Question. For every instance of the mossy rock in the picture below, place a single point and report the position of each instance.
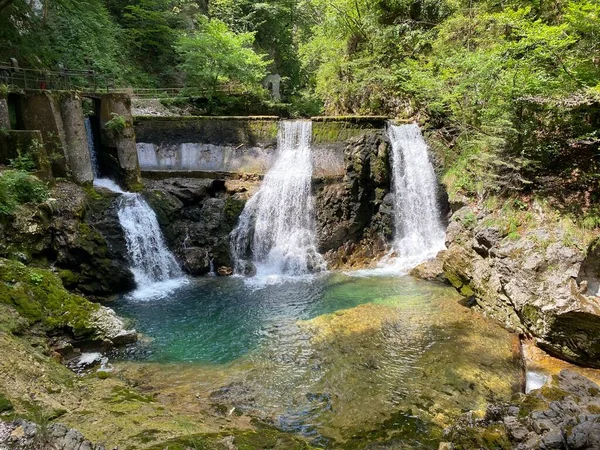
(492, 437)
(39, 296)
(5, 404)
(260, 439)
(233, 209)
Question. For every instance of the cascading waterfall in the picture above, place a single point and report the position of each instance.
(419, 233)
(154, 267)
(150, 258)
(277, 226)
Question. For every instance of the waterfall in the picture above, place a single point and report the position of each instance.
(277, 226)
(150, 258)
(92, 147)
(419, 233)
(154, 267)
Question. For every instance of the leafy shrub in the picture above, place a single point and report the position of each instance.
(18, 187)
(117, 124)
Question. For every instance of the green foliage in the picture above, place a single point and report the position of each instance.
(18, 187)
(77, 35)
(117, 124)
(214, 55)
(23, 162)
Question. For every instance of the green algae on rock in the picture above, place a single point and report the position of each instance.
(39, 297)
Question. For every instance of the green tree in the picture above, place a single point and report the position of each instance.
(213, 55)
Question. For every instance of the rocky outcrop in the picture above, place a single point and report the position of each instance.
(355, 215)
(35, 297)
(536, 281)
(79, 232)
(197, 216)
(24, 435)
(563, 414)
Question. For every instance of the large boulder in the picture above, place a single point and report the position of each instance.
(537, 283)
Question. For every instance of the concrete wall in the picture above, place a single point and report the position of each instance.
(41, 111)
(77, 151)
(4, 114)
(236, 144)
(119, 152)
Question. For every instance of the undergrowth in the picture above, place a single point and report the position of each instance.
(18, 187)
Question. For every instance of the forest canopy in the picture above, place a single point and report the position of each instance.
(464, 65)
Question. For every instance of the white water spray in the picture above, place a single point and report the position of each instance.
(154, 267)
(419, 233)
(277, 226)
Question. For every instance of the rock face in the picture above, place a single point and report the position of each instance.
(538, 283)
(79, 233)
(563, 414)
(24, 435)
(196, 217)
(355, 215)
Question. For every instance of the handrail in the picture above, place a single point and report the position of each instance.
(88, 80)
(64, 79)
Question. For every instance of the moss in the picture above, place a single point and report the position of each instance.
(553, 393)
(39, 296)
(403, 426)
(492, 437)
(11, 321)
(531, 314)
(5, 404)
(531, 403)
(327, 132)
(122, 394)
(261, 439)
(233, 209)
(69, 278)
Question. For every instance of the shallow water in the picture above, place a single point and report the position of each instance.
(343, 361)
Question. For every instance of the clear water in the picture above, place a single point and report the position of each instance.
(334, 358)
(276, 230)
(419, 233)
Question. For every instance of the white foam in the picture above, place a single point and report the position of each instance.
(157, 290)
(534, 380)
(109, 184)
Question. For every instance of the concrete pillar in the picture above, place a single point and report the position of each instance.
(121, 143)
(42, 112)
(4, 114)
(77, 150)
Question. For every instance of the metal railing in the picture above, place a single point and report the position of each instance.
(88, 80)
(63, 79)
